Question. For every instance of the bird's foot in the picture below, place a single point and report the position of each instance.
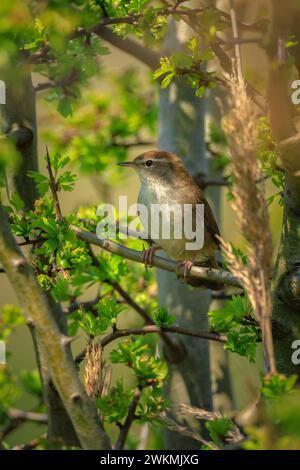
(187, 265)
(148, 256)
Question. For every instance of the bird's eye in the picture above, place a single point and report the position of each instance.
(148, 162)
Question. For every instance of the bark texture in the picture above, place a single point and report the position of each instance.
(181, 130)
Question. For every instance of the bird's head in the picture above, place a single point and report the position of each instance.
(157, 165)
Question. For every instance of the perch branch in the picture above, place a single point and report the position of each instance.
(197, 272)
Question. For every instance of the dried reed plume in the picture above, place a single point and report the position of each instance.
(185, 431)
(234, 436)
(241, 127)
(96, 375)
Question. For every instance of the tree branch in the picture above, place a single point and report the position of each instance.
(147, 56)
(75, 305)
(53, 188)
(124, 430)
(197, 272)
(174, 352)
(154, 329)
(19, 415)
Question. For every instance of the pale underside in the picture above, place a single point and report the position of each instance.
(175, 248)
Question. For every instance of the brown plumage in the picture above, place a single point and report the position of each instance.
(164, 180)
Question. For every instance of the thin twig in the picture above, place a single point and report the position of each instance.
(18, 417)
(124, 429)
(75, 305)
(16, 414)
(148, 329)
(33, 444)
(174, 352)
(233, 42)
(53, 188)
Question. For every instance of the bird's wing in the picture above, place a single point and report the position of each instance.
(210, 222)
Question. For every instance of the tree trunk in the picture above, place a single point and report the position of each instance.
(286, 280)
(286, 307)
(20, 125)
(221, 379)
(181, 130)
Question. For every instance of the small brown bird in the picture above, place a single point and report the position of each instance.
(165, 181)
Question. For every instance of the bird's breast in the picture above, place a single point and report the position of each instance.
(164, 228)
(160, 218)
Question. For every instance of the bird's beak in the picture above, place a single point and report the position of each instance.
(128, 164)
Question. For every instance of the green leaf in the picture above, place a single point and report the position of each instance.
(60, 291)
(41, 181)
(58, 161)
(11, 316)
(151, 405)
(181, 60)
(31, 382)
(200, 91)
(167, 80)
(232, 313)
(128, 351)
(162, 317)
(193, 45)
(243, 342)
(235, 319)
(115, 406)
(66, 181)
(65, 107)
(16, 201)
(148, 369)
(218, 429)
(276, 385)
(108, 310)
(9, 393)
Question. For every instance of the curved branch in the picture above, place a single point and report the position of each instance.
(143, 54)
(154, 329)
(157, 329)
(207, 274)
(174, 352)
(21, 415)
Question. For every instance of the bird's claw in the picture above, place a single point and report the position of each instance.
(187, 265)
(148, 256)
